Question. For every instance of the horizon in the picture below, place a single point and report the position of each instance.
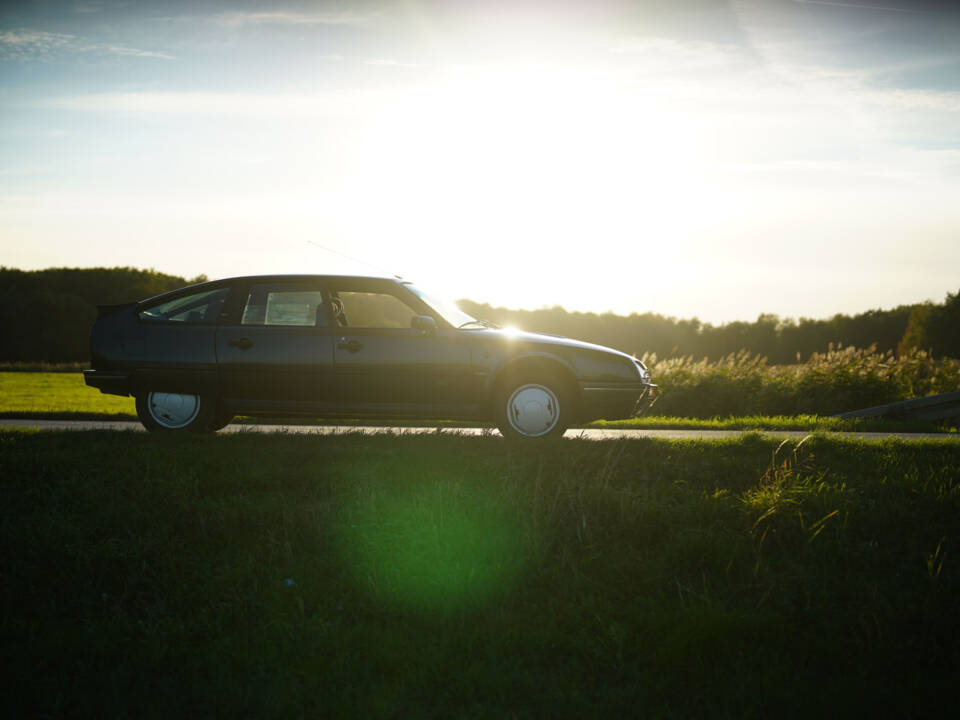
(553, 306)
(702, 159)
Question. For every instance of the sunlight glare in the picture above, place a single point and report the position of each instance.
(519, 160)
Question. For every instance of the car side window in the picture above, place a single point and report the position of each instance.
(284, 306)
(371, 310)
(197, 308)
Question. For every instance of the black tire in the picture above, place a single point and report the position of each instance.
(175, 412)
(533, 406)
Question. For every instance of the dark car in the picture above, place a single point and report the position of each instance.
(337, 346)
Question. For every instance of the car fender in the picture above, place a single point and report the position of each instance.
(519, 362)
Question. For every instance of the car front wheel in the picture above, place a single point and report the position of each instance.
(533, 407)
(167, 412)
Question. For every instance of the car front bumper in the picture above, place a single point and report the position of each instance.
(615, 401)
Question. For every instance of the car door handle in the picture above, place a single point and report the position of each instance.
(242, 343)
(352, 346)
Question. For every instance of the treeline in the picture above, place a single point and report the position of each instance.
(45, 316)
(928, 326)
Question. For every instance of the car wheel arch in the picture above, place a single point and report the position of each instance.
(549, 365)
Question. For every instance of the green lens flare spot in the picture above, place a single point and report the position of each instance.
(435, 546)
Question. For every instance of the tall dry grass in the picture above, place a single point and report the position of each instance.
(841, 379)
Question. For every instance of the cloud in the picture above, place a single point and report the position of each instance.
(667, 54)
(96, 6)
(28, 44)
(287, 105)
(132, 52)
(24, 45)
(943, 101)
(282, 17)
(859, 6)
(387, 62)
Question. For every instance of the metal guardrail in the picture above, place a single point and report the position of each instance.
(932, 407)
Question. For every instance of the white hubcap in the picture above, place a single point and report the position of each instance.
(173, 410)
(533, 410)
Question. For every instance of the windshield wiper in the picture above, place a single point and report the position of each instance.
(483, 323)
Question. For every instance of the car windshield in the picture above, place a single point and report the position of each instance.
(446, 309)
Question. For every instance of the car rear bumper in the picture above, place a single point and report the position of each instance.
(108, 382)
(615, 401)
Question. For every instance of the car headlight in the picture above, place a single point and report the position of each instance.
(642, 370)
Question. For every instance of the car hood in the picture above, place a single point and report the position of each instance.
(523, 336)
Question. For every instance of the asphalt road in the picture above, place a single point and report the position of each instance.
(590, 434)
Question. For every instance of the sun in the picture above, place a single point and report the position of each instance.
(504, 159)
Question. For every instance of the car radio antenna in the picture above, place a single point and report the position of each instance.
(353, 259)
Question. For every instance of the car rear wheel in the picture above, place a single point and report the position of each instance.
(170, 412)
(532, 407)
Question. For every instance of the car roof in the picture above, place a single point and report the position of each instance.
(269, 278)
(306, 276)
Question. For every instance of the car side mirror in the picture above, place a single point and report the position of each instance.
(424, 323)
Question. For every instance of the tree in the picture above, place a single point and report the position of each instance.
(46, 314)
(935, 328)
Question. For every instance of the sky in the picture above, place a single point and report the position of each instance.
(702, 158)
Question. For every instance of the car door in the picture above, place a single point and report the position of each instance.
(173, 343)
(277, 350)
(382, 363)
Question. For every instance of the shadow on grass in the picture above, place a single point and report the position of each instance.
(424, 575)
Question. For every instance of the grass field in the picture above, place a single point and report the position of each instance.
(64, 395)
(58, 394)
(447, 576)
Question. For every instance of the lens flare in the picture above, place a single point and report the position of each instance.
(430, 546)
